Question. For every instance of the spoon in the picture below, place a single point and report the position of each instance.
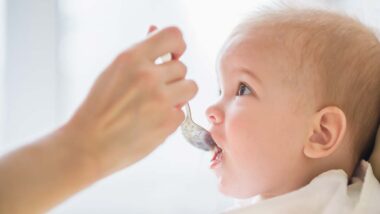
(193, 133)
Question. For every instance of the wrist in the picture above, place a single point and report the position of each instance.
(76, 142)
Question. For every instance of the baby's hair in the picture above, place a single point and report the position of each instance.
(337, 56)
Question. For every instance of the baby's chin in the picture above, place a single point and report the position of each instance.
(236, 191)
(237, 194)
(248, 192)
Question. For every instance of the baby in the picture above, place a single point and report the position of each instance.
(300, 100)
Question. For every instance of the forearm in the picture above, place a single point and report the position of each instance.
(39, 176)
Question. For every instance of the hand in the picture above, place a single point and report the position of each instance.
(134, 104)
(132, 107)
(375, 156)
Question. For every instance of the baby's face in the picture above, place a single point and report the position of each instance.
(256, 121)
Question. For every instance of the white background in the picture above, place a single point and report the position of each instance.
(52, 52)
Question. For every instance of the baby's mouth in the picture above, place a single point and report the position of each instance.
(217, 154)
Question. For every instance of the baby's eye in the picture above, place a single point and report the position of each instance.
(243, 90)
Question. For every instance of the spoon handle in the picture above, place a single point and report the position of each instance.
(188, 111)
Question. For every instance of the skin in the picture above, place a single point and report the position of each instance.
(256, 128)
(270, 144)
(132, 97)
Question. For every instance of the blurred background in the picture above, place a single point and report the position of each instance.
(52, 51)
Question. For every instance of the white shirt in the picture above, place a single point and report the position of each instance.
(327, 193)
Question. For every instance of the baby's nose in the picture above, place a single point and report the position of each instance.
(214, 115)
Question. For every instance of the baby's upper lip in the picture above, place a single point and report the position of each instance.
(215, 138)
(218, 145)
(216, 142)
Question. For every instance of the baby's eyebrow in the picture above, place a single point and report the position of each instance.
(252, 75)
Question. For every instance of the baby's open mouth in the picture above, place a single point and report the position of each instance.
(217, 154)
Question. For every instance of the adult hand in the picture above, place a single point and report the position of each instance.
(135, 104)
(132, 107)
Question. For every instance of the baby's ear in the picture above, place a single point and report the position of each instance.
(328, 130)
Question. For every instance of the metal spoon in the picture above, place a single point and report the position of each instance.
(193, 133)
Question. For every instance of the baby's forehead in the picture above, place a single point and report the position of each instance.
(245, 53)
(273, 57)
(244, 43)
(252, 46)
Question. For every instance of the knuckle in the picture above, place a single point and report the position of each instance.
(125, 56)
(146, 76)
(193, 86)
(161, 97)
(183, 44)
(143, 72)
(174, 31)
(177, 36)
(182, 69)
(147, 73)
(142, 76)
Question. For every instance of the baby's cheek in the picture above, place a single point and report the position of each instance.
(243, 139)
(255, 140)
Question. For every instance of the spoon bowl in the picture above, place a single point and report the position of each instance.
(195, 134)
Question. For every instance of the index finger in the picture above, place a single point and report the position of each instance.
(161, 42)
